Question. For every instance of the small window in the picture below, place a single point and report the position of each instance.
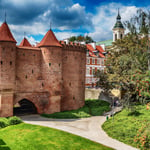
(49, 64)
(88, 71)
(88, 61)
(23, 54)
(115, 37)
(10, 62)
(70, 83)
(1, 62)
(32, 71)
(93, 61)
(98, 61)
(59, 65)
(26, 76)
(42, 84)
(73, 98)
(120, 36)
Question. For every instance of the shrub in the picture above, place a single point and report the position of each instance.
(142, 139)
(3, 122)
(14, 120)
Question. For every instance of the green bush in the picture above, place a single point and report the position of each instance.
(92, 107)
(14, 120)
(3, 122)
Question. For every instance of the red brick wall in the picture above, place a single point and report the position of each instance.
(52, 74)
(74, 59)
(7, 65)
(28, 70)
(53, 78)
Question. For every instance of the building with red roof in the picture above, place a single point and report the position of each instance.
(47, 78)
(95, 56)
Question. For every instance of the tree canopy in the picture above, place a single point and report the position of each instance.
(80, 38)
(127, 63)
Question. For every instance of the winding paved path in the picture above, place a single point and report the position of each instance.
(89, 128)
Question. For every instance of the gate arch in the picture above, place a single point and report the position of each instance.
(24, 107)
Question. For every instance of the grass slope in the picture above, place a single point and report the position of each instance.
(126, 125)
(91, 108)
(33, 137)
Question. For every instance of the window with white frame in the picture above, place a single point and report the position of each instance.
(88, 71)
(93, 60)
(93, 71)
(102, 61)
(98, 61)
(88, 60)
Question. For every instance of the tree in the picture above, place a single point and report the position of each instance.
(80, 38)
(127, 63)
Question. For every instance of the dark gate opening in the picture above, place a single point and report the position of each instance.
(24, 107)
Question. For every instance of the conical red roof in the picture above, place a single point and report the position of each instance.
(25, 42)
(5, 33)
(49, 40)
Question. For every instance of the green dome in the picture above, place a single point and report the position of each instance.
(118, 24)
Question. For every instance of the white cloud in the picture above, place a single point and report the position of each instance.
(105, 19)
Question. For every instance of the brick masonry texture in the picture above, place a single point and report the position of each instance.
(51, 77)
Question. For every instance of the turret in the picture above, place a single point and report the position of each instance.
(7, 70)
(52, 70)
(25, 43)
(118, 29)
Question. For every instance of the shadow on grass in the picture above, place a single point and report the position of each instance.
(134, 113)
(3, 145)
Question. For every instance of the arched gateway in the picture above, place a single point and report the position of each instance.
(24, 107)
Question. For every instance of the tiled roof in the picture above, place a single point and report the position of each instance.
(99, 48)
(89, 47)
(92, 54)
(5, 33)
(101, 55)
(49, 40)
(25, 42)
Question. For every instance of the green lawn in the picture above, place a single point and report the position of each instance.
(33, 137)
(91, 108)
(131, 128)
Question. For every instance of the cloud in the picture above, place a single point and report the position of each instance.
(34, 16)
(105, 18)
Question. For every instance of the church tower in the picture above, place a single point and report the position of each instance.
(118, 29)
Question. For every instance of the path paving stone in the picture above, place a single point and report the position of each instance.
(89, 128)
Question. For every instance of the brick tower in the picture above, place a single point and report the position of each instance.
(7, 70)
(52, 70)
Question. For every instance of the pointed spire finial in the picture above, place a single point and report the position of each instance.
(50, 25)
(24, 34)
(5, 16)
(118, 11)
(118, 16)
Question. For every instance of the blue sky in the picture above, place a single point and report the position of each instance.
(68, 17)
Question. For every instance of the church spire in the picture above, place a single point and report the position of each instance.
(118, 23)
(118, 29)
(118, 17)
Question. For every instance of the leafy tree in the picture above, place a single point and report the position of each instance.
(80, 38)
(127, 63)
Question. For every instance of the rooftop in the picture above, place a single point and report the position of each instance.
(25, 42)
(106, 43)
(49, 40)
(5, 33)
